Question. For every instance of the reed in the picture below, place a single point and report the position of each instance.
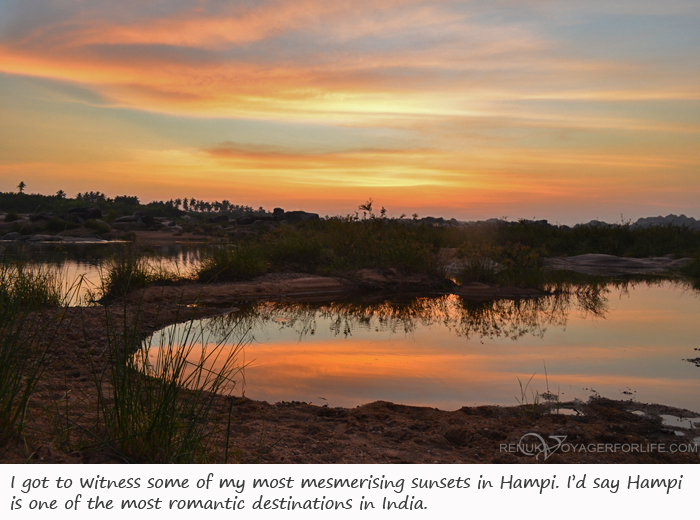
(156, 396)
(27, 331)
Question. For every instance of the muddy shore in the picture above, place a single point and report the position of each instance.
(295, 432)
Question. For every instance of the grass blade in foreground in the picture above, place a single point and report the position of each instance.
(156, 396)
(26, 333)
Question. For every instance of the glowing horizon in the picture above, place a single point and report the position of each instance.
(459, 109)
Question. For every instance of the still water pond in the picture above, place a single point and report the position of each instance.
(629, 342)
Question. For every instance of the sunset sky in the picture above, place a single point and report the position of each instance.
(567, 110)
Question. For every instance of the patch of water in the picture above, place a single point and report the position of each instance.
(566, 411)
(448, 353)
(681, 422)
(81, 264)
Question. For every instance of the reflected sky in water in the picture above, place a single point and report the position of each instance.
(80, 265)
(622, 342)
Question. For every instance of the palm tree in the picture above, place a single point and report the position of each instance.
(61, 194)
(21, 186)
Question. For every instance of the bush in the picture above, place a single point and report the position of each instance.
(11, 217)
(97, 227)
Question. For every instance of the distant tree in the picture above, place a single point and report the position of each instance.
(177, 203)
(60, 194)
(127, 200)
(185, 204)
(21, 186)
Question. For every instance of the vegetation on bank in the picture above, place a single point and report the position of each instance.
(155, 397)
(495, 252)
(129, 271)
(25, 336)
(324, 247)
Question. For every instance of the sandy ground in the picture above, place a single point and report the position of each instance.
(314, 288)
(294, 432)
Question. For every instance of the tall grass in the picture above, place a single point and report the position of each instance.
(513, 264)
(26, 333)
(232, 263)
(692, 271)
(156, 396)
(131, 271)
(323, 247)
(620, 240)
(27, 285)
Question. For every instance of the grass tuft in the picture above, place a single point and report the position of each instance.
(232, 263)
(25, 336)
(156, 396)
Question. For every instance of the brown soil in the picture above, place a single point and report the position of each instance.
(293, 432)
(315, 288)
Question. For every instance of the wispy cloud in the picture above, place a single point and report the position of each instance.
(468, 97)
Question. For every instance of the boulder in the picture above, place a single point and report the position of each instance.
(11, 236)
(300, 216)
(84, 213)
(218, 219)
(40, 216)
(668, 220)
(245, 221)
(278, 212)
(44, 238)
(129, 218)
(93, 213)
(609, 265)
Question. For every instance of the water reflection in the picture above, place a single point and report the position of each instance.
(511, 319)
(618, 340)
(81, 265)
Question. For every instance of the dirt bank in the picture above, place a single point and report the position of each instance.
(314, 288)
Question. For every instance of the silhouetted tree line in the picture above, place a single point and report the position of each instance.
(22, 202)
